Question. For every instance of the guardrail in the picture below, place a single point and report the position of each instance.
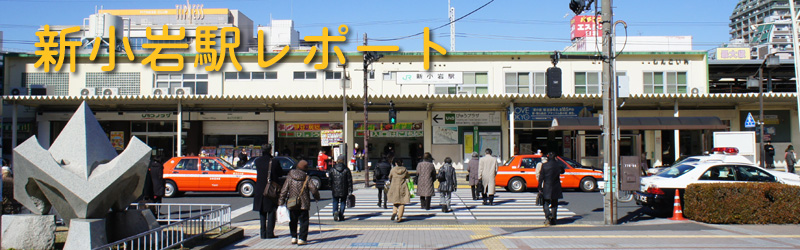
(186, 222)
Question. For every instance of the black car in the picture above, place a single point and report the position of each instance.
(289, 163)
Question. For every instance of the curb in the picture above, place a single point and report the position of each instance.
(233, 236)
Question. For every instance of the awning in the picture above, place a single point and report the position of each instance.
(641, 123)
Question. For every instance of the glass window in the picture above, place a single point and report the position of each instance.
(388, 76)
(197, 82)
(271, 75)
(675, 171)
(244, 75)
(210, 165)
(299, 75)
(665, 82)
(257, 75)
(187, 164)
(160, 126)
(719, 173)
(587, 82)
(332, 75)
(580, 82)
(539, 83)
(475, 83)
(749, 173)
(529, 162)
(518, 83)
(445, 90)
(286, 163)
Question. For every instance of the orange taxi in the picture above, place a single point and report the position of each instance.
(206, 174)
(518, 174)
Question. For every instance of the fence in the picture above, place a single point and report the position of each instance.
(185, 222)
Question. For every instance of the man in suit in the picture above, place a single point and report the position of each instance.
(550, 186)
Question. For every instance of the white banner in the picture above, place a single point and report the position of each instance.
(423, 77)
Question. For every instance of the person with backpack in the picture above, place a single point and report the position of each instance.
(296, 195)
(447, 184)
(341, 183)
(381, 176)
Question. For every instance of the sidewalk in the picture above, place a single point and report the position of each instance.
(660, 234)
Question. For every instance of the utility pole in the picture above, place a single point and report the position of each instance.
(365, 157)
(796, 51)
(344, 114)
(609, 115)
(451, 12)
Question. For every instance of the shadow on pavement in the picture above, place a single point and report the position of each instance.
(323, 240)
(641, 214)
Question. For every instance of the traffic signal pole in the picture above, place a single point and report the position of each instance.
(610, 140)
(365, 148)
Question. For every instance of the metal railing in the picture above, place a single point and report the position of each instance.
(186, 222)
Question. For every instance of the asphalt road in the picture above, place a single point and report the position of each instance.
(587, 206)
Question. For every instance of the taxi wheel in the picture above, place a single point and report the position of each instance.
(588, 184)
(516, 184)
(170, 189)
(247, 188)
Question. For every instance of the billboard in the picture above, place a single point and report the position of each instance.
(585, 26)
(733, 53)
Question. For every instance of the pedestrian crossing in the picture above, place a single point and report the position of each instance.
(507, 206)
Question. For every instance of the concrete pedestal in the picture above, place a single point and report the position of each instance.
(28, 231)
(86, 234)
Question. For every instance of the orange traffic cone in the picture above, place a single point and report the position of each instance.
(677, 212)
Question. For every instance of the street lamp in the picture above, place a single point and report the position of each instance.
(770, 61)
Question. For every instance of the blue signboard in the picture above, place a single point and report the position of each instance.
(548, 113)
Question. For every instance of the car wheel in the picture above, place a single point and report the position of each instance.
(247, 188)
(315, 180)
(516, 184)
(588, 184)
(170, 189)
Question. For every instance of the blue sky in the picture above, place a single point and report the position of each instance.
(538, 25)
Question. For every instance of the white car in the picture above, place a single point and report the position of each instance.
(658, 191)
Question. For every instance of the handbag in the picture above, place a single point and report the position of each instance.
(539, 201)
(271, 190)
(351, 201)
(294, 202)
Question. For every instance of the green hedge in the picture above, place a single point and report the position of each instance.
(743, 203)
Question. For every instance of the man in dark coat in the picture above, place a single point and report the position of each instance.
(447, 184)
(426, 175)
(550, 186)
(475, 182)
(157, 178)
(769, 153)
(381, 176)
(341, 183)
(265, 206)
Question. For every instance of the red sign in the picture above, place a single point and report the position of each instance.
(585, 26)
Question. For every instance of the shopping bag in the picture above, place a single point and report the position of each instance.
(411, 189)
(351, 200)
(283, 214)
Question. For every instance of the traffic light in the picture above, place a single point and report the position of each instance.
(578, 6)
(392, 113)
(553, 80)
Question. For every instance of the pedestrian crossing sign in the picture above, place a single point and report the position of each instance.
(749, 122)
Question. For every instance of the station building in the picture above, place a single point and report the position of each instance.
(465, 102)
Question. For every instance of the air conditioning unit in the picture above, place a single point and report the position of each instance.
(19, 91)
(182, 91)
(88, 91)
(160, 91)
(42, 90)
(109, 91)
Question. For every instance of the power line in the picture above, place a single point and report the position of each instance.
(443, 25)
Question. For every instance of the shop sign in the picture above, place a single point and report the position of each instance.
(331, 137)
(585, 26)
(299, 134)
(154, 116)
(733, 53)
(393, 134)
(308, 126)
(548, 113)
(466, 118)
(423, 77)
(359, 126)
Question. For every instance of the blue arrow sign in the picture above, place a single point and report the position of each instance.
(749, 122)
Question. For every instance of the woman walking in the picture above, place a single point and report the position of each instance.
(447, 183)
(399, 195)
(474, 181)
(298, 186)
(341, 183)
(426, 174)
(791, 159)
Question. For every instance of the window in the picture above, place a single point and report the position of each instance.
(187, 164)
(269, 75)
(59, 80)
(675, 171)
(445, 90)
(748, 173)
(198, 83)
(529, 162)
(305, 75)
(719, 173)
(210, 165)
(587, 83)
(388, 76)
(521, 82)
(333, 75)
(475, 83)
(665, 82)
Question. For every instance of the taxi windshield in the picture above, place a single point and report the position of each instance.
(227, 165)
(508, 162)
(675, 171)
